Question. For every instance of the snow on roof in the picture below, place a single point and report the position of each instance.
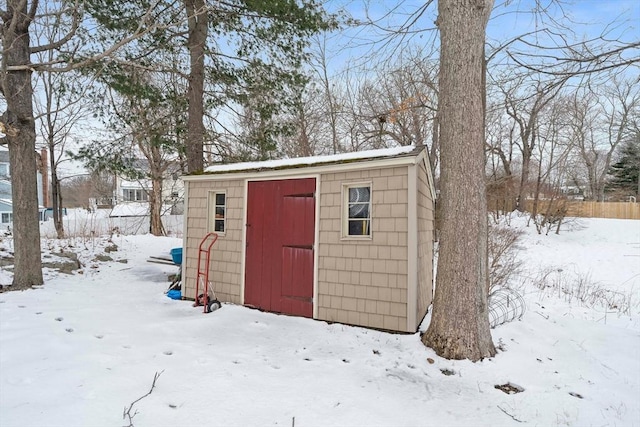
(283, 163)
(130, 209)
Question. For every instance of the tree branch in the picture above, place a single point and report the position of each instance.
(64, 40)
(33, 9)
(127, 411)
(512, 417)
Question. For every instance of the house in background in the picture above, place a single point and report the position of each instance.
(6, 199)
(131, 197)
(345, 238)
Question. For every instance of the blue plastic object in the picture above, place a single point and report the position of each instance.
(174, 294)
(176, 255)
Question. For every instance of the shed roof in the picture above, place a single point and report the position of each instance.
(404, 151)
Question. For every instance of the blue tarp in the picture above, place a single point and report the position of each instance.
(174, 294)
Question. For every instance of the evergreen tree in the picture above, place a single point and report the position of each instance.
(626, 172)
(228, 51)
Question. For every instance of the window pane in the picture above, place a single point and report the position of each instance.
(359, 227)
(218, 211)
(359, 210)
(359, 195)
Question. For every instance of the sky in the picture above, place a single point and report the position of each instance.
(510, 18)
(366, 45)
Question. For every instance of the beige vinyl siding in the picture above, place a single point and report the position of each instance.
(226, 254)
(425, 243)
(359, 280)
(364, 282)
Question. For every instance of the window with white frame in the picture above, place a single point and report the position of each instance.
(217, 211)
(134, 195)
(7, 217)
(357, 210)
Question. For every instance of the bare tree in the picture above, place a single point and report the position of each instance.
(602, 118)
(310, 128)
(59, 115)
(524, 101)
(398, 104)
(76, 191)
(459, 327)
(500, 152)
(332, 108)
(61, 105)
(18, 123)
(553, 149)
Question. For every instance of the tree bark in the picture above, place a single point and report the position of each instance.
(155, 208)
(197, 18)
(56, 198)
(19, 125)
(155, 197)
(56, 194)
(459, 327)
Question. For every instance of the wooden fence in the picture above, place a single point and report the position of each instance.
(618, 210)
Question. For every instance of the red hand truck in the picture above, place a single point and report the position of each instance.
(208, 296)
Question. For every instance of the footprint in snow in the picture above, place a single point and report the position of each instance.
(69, 329)
(99, 336)
(59, 319)
(38, 312)
(167, 353)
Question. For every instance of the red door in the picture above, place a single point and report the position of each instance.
(280, 238)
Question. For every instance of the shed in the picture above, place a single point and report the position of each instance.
(343, 238)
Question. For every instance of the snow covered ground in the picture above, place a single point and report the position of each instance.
(86, 345)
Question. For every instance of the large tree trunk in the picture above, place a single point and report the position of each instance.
(459, 327)
(19, 125)
(198, 27)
